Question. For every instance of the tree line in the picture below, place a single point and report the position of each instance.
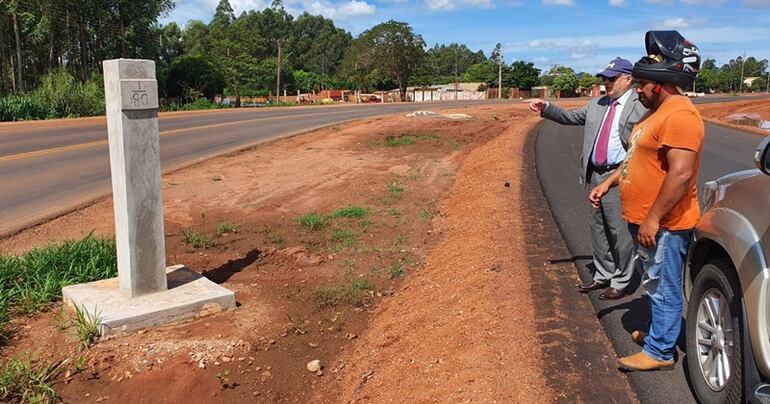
(51, 53)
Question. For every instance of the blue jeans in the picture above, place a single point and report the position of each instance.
(661, 267)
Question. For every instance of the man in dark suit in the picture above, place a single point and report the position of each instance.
(608, 121)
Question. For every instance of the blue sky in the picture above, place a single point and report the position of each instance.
(583, 34)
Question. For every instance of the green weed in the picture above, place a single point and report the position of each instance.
(195, 239)
(312, 221)
(343, 239)
(87, 326)
(395, 190)
(227, 227)
(275, 237)
(396, 270)
(393, 212)
(32, 281)
(353, 293)
(23, 380)
(352, 211)
(403, 140)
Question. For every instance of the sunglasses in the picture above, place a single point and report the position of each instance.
(641, 83)
(612, 79)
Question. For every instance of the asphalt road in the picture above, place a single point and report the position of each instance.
(49, 168)
(557, 149)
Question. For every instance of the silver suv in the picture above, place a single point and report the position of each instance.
(727, 285)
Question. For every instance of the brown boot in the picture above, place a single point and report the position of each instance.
(642, 362)
(638, 337)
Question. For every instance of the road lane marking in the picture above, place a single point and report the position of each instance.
(38, 153)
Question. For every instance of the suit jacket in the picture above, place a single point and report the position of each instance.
(591, 117)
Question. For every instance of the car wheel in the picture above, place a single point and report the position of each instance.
(714, 331)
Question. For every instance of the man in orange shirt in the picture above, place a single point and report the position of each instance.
(657, 185)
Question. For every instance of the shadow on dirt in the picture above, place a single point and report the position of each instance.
(222, 273)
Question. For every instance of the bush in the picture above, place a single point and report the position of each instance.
(58, 96)
(24, 107)
(188, 75)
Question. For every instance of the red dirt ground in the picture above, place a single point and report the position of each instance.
(461, 325)
(725, 113)
(443, 333)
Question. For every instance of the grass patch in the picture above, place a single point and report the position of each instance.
(352, 211)
(403, 140)
(396, 271)
(275, 237)
(407, 139)
(21, 380)
(354, 292)
(395, 190)
(28, 283)
(343, 239)
(227, 227)
(312, 221)
(87, 326)
(195, 239)
(393, 212)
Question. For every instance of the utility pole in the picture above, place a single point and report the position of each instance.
(743, 64)
(456, 49)
(767, 89)
(279, 42)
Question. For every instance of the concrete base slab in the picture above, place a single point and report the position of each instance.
(189, 296)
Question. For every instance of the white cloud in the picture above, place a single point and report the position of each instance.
(617, 3)
(440, 5)
(675, 23)
(659, 1)
(488, 4)
(558, 2)
(446, 5)
(340, 11)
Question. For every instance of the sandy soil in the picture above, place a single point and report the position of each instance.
(460, 326)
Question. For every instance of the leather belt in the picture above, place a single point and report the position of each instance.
(604, 169)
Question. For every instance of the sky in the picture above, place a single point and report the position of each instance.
(582, 34)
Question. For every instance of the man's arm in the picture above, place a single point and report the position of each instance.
(595, 197)
(681, 169)
(550, 111)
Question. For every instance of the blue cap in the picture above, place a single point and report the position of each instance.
(617, 66)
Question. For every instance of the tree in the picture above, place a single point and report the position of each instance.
(170, 43)
(565, 81)
(318, 45)
(189, 77)
(195, 38)
(223, 16)
(232, 49)
(485, 72)
(388, 51)
(522, 75)
(447, 63)
(588, 80)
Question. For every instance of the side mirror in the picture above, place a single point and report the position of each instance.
(762, 156)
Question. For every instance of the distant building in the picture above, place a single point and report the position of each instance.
(446, 92)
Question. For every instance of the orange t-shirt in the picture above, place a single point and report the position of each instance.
(675, 124)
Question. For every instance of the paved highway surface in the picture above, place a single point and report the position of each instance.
(50, 167)
(557, 150)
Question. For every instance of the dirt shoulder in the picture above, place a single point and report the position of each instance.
(452, 260)
(748, 112)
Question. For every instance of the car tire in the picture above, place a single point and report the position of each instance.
(716, 282)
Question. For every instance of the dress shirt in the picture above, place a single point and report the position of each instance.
(615, 151)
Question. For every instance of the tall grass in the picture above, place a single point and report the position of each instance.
(33, 280)
(58, 96)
